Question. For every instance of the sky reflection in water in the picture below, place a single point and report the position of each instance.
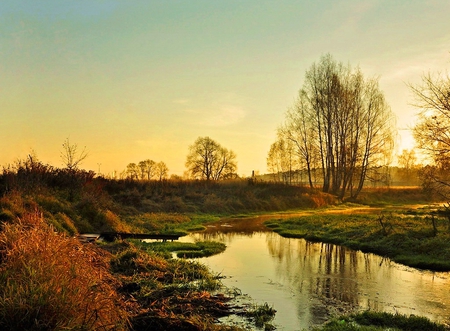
(307, 282)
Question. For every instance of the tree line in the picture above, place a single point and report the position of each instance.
(147, 170)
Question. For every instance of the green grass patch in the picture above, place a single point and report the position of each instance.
(187, 250)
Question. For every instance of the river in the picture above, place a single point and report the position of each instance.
(307, 283)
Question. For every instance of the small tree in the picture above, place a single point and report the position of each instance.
(132, 171)
(71, 156)
(161, 170)
(281, 160)
(147, 169)
(208, 160)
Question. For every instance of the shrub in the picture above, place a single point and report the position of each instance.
(113, 222)
(66, 223)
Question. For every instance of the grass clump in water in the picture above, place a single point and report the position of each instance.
(262, 315)
(187, 250)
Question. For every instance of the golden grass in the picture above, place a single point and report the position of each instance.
(51, 282)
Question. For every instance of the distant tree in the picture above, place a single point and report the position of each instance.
(407, 159)
(133, 171)
(299, 128)
(141, 167)
(208, 160)
(342, 120)
(175, 177)
(71, 156)
(281, 160)
(147, 169)
(161, 170)
(432, 131)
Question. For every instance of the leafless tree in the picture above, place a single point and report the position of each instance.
(432, 131)
(282, 160)
(299, 130)
(133, 171)
(407, 159)
(147, 169)
(208, 160)
(161, 170)
(71, 156)
(341, 120)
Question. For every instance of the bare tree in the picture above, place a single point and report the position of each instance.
(282, 160)
(300, 130)
(133, 171)
(147, 169)
(341, 120)
(208, 160)
(432, 131)
(407, 159)
(71, 156)
(161, 170)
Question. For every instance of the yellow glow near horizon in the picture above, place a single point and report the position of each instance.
(142, 80)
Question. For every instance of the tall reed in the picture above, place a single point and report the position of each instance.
(51, 282)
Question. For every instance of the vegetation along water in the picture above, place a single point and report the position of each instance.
(50, 280)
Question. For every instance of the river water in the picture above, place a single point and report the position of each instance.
(307, 283)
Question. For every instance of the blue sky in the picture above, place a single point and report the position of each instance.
(133, 80)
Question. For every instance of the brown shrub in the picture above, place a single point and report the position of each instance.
(51, 282)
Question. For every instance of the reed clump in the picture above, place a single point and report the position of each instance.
(51, 282)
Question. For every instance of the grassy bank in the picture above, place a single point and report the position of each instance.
(373, 321)
(412, 237)
(76, 201)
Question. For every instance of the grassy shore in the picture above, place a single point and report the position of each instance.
(374, 321)
(414, 237)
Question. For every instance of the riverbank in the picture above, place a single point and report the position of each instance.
(373, 321)
(311, 283)
(120, 286)
(416, 237)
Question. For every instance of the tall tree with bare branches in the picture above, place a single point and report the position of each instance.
(432, 131)
(341, 124)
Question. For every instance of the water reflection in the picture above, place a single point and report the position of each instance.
(307, 282)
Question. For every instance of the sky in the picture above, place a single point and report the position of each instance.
(136, 80)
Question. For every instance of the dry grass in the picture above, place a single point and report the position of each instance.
(51, 282)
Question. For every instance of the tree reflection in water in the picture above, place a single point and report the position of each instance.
(308, 282)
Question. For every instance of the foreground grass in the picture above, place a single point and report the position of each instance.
(377, 321)
(51, 282)
(406, 237)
